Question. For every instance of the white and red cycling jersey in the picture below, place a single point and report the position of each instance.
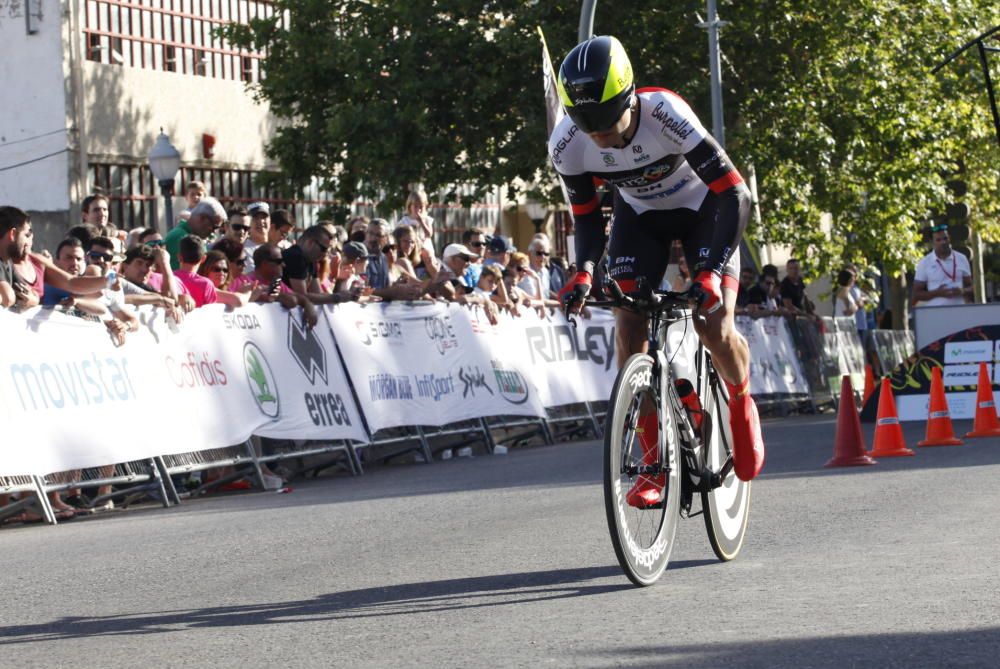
(671, 162)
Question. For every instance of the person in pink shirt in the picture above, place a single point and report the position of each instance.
(191, 254)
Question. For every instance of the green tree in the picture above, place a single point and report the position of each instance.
(832, 101)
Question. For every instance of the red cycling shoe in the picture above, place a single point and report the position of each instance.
(748, 444)
(648, 490)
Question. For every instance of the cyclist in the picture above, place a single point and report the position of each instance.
(672, 181)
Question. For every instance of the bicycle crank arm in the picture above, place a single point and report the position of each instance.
(716, 479)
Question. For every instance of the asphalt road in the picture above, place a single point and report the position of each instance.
(506, 561)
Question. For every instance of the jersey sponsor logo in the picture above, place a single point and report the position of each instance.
(670, 191)
(625, 259)
(678, 127)
(608, 158)
(636, 148)
(562, 144)
(703, 252)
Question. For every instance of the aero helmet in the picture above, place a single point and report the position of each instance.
(595, 83)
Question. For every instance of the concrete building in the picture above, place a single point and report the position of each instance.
(90, 83)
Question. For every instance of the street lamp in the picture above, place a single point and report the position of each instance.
(536, 212)
(164, 162)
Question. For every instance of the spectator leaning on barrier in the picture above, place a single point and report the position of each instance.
(70, 259)
(418, 260)
(748, 278)
(793, 290)
(281, 226)
(260, 226)
(136, 270)
(498, 251)
(215, 267)
(206, 216)
(376, 237)
(762, 298)
(235, 255)
(264, 284)
(451, 283)
(191, 252)
(943, 276)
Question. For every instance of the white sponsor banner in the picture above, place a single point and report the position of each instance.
(425, 365)
(914, 407)
(74, 400)
(774, 363)
(968, 351)
(568, 363)
(962, 375)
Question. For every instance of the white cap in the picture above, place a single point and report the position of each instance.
(459, 250)
(259, 208)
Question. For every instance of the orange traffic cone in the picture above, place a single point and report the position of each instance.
(869, 386)
(849, 443)
(986, 423)
(939, 429)
(888, 432)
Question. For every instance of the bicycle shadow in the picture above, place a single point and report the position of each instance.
(376, 602)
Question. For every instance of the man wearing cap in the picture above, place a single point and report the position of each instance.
(457, 258)
(943, 276)
(206, 216)
(354, 265)
(260, 226)
(498, 251)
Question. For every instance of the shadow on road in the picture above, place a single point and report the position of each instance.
(963, 648)
(396, 600)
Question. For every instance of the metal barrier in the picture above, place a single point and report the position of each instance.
(889, 348)
(21, 485)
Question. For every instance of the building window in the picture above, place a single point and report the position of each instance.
(172, 35)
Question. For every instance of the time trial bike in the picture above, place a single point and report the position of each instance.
(693, 460)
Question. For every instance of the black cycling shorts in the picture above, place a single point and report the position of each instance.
(640, 243)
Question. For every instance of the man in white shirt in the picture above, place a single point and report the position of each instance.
(943, 276)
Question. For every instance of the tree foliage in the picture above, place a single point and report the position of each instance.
(832, 101)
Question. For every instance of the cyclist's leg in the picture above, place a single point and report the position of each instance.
(638, 248)
(730, 352)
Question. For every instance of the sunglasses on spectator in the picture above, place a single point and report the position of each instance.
(239, 227)
(388, 247)
(97, 255)
(219, 269)
(276, 261)
(241, 262)
(542, 253)
(522, 269)
(323, 248)
(154, 242)
(477, 245)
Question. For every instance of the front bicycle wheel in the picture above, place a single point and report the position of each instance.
(726, 508)
(642, 537)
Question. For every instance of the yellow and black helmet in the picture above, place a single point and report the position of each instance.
(595, 83)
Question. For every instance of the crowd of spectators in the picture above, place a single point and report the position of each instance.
(254, 253)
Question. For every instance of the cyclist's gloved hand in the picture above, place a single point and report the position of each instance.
(576, 289)
(711, 291)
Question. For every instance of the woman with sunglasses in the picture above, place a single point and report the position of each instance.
(235, 255)
(215, 268)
